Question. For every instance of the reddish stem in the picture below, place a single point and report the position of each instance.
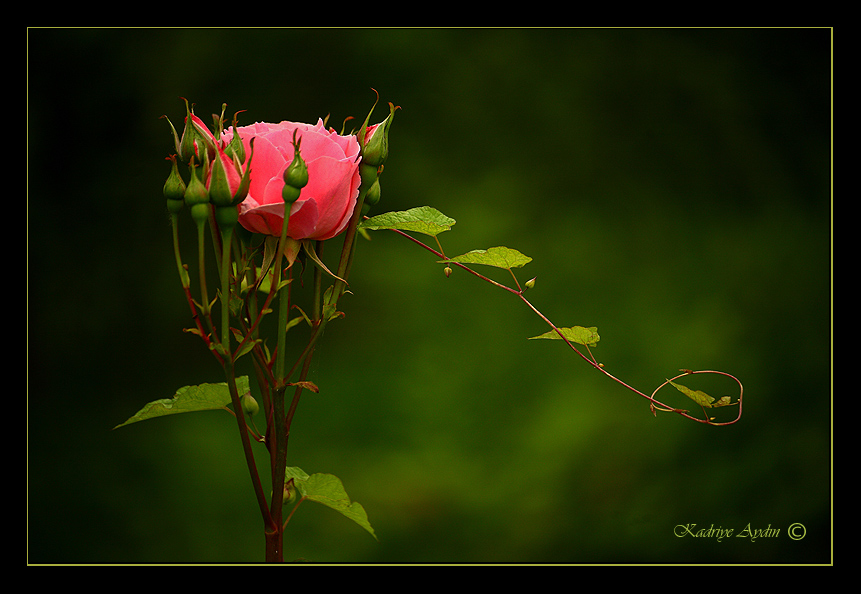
(591, 360)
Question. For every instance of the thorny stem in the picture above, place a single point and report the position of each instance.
(654, 404)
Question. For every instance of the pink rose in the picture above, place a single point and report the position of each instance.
(325, 205)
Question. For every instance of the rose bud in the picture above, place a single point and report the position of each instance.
(376, 148)
(197, 141)
(296, 174)
(372, 197)
(174, 188)
(197, 198)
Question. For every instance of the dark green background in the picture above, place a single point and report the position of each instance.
(671, 185)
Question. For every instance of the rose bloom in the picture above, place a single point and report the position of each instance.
(325, 204)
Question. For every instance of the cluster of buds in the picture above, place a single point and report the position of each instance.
(216, 178)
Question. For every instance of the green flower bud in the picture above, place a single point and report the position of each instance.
(197, 141)
(236, 149)
(376, 150)
(296, 174)
(174, 188)
(289, 492)
(196, 192)
(249, 404)
(530, 283)
(187, 144)
(372, 197)
(219, 187)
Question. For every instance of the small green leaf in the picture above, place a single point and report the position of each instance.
(500, 257)
(247, 347)
(723, 401)
(190, 399)
(328, 490)
(422, 219)
(701, 397)
(297, 320)
(578, 334)
(330, 309)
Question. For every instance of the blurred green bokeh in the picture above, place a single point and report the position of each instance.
(671, 185)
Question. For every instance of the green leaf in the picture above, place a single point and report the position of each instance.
(578, 334)
(330, 310)
(501, 257)
(328, 490)
(422, 219)
(701, 397)
(190, 399)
